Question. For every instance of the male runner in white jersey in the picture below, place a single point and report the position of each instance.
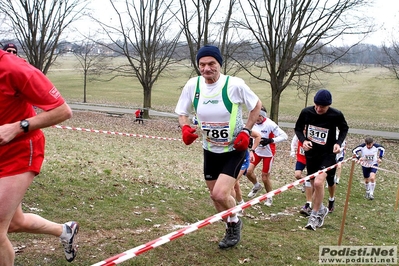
(217, 100)
(321, 146)
(371, 154)
(271, 134)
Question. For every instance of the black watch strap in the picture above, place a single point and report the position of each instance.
(248, 130)
(24, 124)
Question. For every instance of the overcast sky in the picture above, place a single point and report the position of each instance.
(385, 13)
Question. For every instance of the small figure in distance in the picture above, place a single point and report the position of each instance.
(139, 116)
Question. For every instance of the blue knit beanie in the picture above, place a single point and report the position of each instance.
(210, 50)
(10, 45)
(323, 98)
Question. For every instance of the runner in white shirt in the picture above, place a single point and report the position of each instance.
(371, 154)
(217, 100)
(271, 134)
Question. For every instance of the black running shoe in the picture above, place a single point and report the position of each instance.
(232, 236)
(331, 206)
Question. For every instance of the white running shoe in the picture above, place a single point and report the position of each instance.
(322, 213)
(269, 202)
(313, 222)
(367, 196)
(371, 196)
(306, 210)
(69, 243)
(254, 191)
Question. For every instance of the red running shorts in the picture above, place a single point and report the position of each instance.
(25, 155)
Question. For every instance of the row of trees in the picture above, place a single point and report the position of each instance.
(278, 42)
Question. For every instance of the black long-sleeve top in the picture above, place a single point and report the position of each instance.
(321, 129)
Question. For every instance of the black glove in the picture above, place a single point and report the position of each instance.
(251, 142)
(265, 141)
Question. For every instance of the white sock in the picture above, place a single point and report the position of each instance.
(257, 184)
(372, 187)
(366, 185)
(331, 199)
(240, 202)
(64, 232)
(232, 219)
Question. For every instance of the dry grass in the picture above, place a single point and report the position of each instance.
(126, 191)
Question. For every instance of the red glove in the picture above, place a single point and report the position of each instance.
(188, 134)
(242, 141)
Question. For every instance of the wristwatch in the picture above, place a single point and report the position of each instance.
(248, 130)
(24, 125)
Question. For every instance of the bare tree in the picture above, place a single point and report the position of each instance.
(195, 21)
(390, 58)
(210, 22)
(306, 84)
(230, 48)
(4, 31)
(38, 25)
(287, 32)
(92, 61)
(145, 36)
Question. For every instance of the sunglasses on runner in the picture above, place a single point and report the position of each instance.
(11, 51)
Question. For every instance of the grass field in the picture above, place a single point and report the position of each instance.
(367, 98)
(126, 191)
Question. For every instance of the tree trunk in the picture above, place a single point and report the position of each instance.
(84, 85)
(275, 106)
(147, 102)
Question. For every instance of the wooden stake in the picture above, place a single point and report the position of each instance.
(397, 200)
(348, 192)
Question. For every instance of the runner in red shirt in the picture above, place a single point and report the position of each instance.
(300, 165)
(139, 116)
(22, 86)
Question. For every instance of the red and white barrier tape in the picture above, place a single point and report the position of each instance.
(153, 137)
(114, 133)
(373, 166)
(193, 227)
(386, 160)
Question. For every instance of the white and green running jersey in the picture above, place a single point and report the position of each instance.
(218, 107)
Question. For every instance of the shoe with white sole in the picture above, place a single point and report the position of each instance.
(69, 242)
(269, 202)
(254, 191)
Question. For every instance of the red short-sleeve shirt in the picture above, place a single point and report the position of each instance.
(21, 88)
